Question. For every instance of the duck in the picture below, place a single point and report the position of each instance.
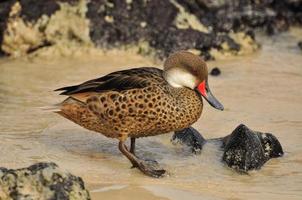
(141, 102)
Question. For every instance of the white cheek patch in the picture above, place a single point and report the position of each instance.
(180, 78)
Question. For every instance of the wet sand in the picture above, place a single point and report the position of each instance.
(262, 90)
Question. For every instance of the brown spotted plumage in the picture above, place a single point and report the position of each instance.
(140, 102)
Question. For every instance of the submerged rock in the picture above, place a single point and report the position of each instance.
(300, 45)
(243, 150)
(41, 181)
(246, 149)
(190, 137)
(215, 71)
(271, 145)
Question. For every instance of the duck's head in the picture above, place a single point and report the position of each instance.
(184, 69)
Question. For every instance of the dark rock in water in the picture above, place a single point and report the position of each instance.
(271, 145)
(41, 181)
(243, 150)
(246, 149)
(300, 45)
(215, 71)
(189, 137)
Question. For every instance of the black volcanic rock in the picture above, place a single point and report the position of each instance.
(243, 150)
(300, 45)
(271, 145)
(246, 149)
(190, 137)
(215, 71)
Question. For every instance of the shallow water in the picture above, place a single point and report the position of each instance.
(262, 91)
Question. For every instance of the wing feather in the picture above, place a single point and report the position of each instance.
(118, 81)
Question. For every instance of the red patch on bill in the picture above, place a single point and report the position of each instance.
(202, 88)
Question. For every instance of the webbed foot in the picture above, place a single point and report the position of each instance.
(148, 167)
(151, 170)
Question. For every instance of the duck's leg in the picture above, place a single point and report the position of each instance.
(132, 146)
(132, 149)
(136, 162)
(148, 161)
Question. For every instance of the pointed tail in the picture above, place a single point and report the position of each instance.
(52, 108)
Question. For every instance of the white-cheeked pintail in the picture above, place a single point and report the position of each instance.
(141, 102)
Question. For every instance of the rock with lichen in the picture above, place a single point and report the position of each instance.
(243, 150)
(41, 181)
(237, 15)
(151, 27)
(209, 28)
(45, 26)
(159, 28)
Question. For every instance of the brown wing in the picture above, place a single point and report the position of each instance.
(117, 81)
